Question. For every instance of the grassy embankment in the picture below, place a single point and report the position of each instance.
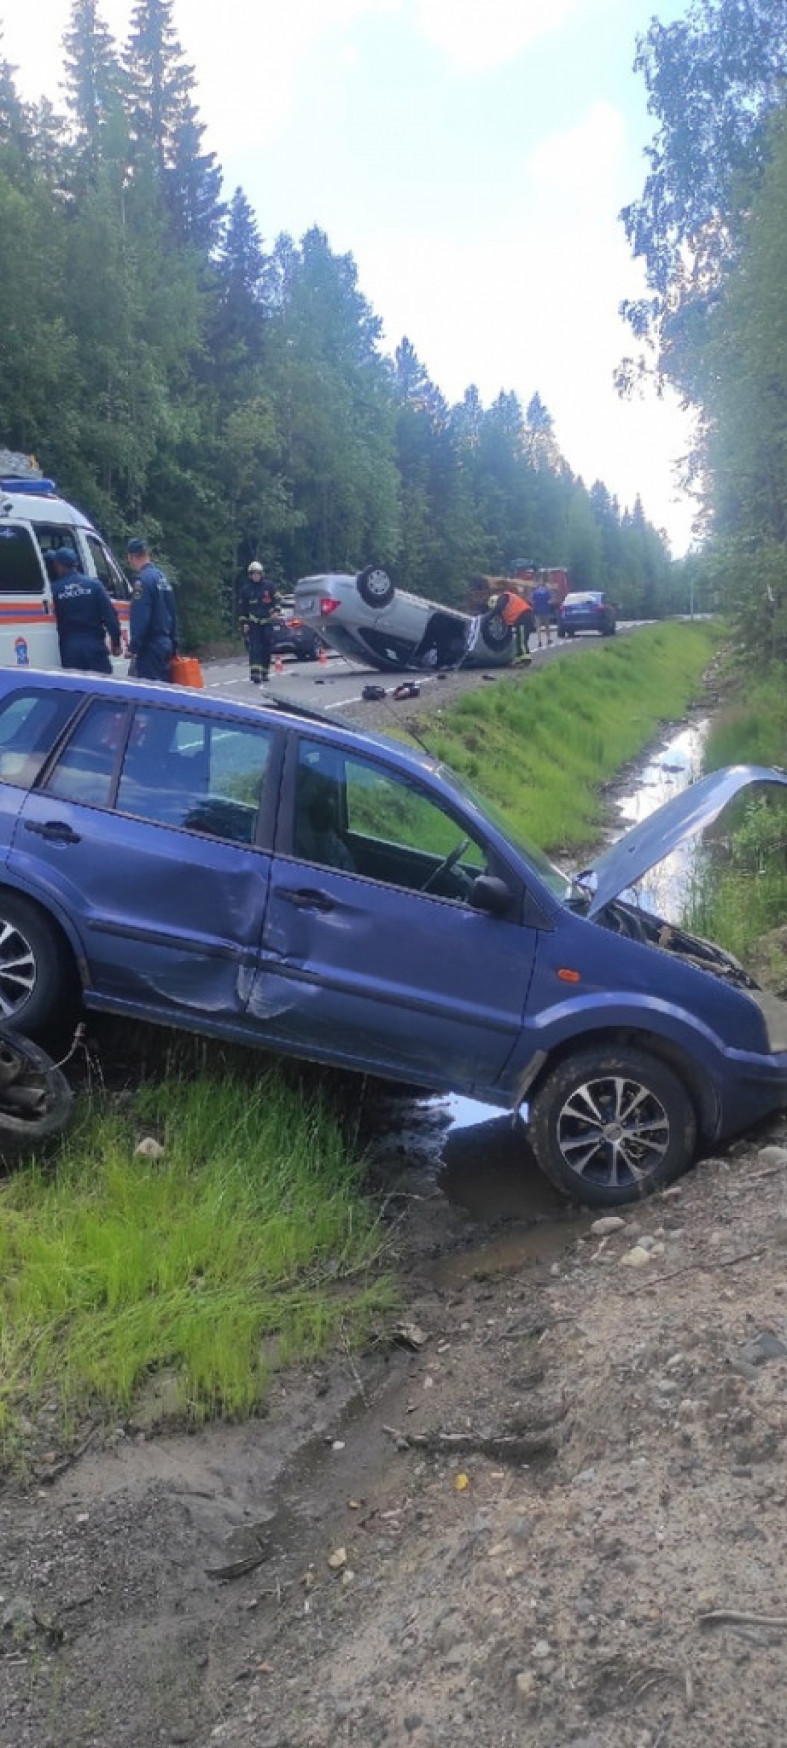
(249, 1241)
(541, 750)
(743, 902)
(246, 1244)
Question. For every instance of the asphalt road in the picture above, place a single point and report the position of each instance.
(337, 684)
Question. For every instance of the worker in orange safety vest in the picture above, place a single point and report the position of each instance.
(517, 613)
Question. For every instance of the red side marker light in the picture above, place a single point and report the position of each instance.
(328, 605)
(567, 976)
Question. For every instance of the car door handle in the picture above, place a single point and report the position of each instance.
(306, 898)
(54, 830)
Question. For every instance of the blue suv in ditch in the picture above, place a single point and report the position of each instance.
(276, 877)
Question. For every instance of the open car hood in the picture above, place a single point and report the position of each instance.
(639, 850)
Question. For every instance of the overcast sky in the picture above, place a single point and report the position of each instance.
(473, 156)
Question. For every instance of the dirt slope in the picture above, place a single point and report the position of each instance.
(584, 1460)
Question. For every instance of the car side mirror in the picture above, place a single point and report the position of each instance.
(491, 895)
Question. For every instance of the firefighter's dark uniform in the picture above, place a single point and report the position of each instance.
(257, 613)
(153, 630)
(85, 618)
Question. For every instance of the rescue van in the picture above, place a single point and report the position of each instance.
(34, 522)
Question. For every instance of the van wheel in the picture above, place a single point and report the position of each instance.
(35, 979)
(610, 1126)
(375, 587)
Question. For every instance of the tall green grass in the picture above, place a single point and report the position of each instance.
(247, 1244)
(541, 748)
(744, 896)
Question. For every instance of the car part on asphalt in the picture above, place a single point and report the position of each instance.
(408, 689)
(35, 1097)
(371, 694)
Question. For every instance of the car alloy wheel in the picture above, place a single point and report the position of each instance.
(34, 980)
(375, 587)
(609, 1126)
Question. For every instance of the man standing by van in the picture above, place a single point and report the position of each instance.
(153, 629)
(84, 614)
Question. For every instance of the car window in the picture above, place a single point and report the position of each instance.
(202, 775)
(30, 723)
(350, 813)
(108, 572)
(21, 572)
(85, 770)
(50, 536)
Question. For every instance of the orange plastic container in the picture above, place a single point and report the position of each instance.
(186, 671)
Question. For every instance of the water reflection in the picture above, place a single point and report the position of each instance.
(666, 889)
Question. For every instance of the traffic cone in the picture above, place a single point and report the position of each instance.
(278, 665)
(322, 654)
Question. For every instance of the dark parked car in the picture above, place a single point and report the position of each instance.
(292, 636)
(586, 610)
(254, 873)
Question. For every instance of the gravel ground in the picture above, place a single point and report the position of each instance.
(550, 1511)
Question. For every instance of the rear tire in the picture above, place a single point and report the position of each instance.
(609, 1126)
(35, 976)
(375, 587)
(35, 1097)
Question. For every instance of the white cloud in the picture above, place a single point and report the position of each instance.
(534, 306)
(481, 33)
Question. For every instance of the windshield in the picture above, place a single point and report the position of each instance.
(557, 883)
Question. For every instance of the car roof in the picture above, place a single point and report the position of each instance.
(41, 507)
(289, 711)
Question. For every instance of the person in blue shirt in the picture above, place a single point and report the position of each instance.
(153, 628)
(541, 604)
(84, 615)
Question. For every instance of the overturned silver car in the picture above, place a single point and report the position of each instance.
(366, 618)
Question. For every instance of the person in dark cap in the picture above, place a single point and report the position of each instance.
(84, 615)
(153, 628)
(258, 604)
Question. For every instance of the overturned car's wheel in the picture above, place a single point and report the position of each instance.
(375, 587)
(495, 634)
(34, 975)
(609, 1126)
(35, 1097)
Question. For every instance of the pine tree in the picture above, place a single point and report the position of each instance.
(15, 123)
(165, 120)
(94, 85)
(243, 274)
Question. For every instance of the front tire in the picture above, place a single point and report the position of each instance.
(375, 587)
(34, 972)
(610, 1126)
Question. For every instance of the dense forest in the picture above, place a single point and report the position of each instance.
(179, 377)
(711, 229)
